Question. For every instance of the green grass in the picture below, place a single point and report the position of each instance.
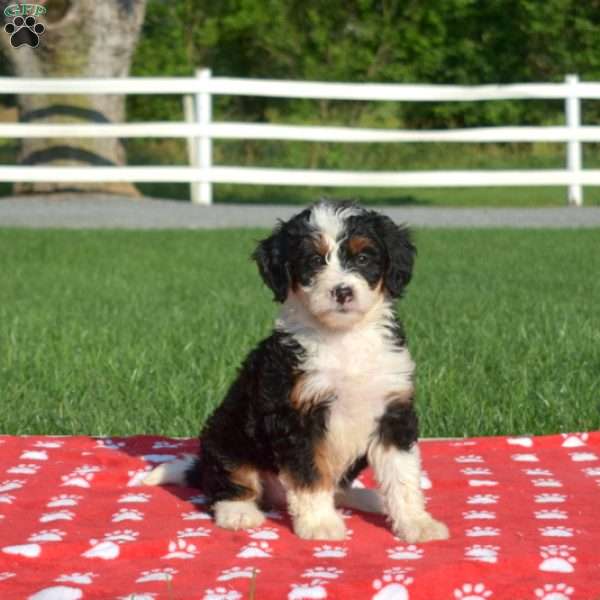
(114, 332)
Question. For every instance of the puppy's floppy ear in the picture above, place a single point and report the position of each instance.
(271, 257)
(401, 255)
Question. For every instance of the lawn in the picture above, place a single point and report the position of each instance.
(116, 332)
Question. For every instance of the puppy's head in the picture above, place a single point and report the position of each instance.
(337, 260)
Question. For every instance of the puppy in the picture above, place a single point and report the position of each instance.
(329, 392)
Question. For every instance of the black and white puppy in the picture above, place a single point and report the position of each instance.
(329, 392)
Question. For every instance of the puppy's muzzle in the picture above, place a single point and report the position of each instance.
(342, 293)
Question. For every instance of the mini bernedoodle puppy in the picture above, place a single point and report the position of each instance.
(329, 392)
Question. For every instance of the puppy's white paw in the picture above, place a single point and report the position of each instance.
(323, 527)
(421, 529)
(238, 514)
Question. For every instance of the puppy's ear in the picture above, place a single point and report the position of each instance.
(271, 258)
(401, 255)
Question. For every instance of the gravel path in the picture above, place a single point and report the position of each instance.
(74, 211)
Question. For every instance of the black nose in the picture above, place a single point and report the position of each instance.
(342, 293)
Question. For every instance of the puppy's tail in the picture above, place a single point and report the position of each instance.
(172, 473)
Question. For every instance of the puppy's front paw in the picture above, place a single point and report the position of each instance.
(329, 527)
(421, 529)
(238, 514)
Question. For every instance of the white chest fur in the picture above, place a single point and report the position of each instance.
(359, 370)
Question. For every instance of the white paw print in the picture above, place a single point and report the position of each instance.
(327, 551)
(256, 550)
(165, 444)
(166, 574)
(78, 578)
(524, 458)
(469, 458)
(109, 444)
(392, 585)
(11, 485)
(34, 455)
(472, 591)
(556, 531)
(574, 440)
(6, 499)
(108, 548)
(410, 552)
(304, 591)
(551, 514)
(550, 498)
(482, 483)
(134, 498)
(476, 471)
(191, 532)
(136, 477)
(24, 469)
(81, 477)
(483, 499)
(196, 515)
(64, 500)
(47, 535)
(592, 471)
(61, 515)
(6, 575)
(238, 573)
(49, 444)
(221, 593)
(479, 514)
(322, 573)
(583, 456)
(264, 533)
(525, 442)
(487, 554)
(538, 472)
(482, 531)
(181, 549)
(557, 559)
(546, 482)
(127, 514)
(551, 591)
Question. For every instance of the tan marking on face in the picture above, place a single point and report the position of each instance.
(322, 245)
(358, 243)
(248, 478)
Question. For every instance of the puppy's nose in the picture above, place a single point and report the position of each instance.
(342, 293)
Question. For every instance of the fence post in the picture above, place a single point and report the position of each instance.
(573, 118)
(203, 113)
(189, 114)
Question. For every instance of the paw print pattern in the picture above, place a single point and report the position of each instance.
(550, 498)
(238, 573)
(524, 458)
(6, 575)
(48, 444)
(190, 532)
(134, 498)
(127, 514)
(78, 578)
(256, 550)
(323, 573)
(166, 574)
(483, 499)
(556, 531)
(482, 532)
(538, 472)
(164, 445)
(222, 593)
(551, 591)
(583, 456)
(479, 514)
(109, 444)
(554, 483)
(6, 499)
(469, 458)
(327, 551)
(592, 471)
(61, 515)
(47, 535)
(557, 559)
(28, 469)
(181, 549)
(264, 533)
(476, 471)
(34, 455)
(11, 485)
(80, 477)
(472, 591)
(136, 477)
(109, 547)
(410, 552)
(392, 584)
(487, 554)
(303, 591)
(554, 513)
(64, 500)
(196, 515)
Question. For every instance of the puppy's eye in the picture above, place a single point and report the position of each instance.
(317, 260)
(362, 259)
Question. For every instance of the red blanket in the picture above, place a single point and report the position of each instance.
(524, 517)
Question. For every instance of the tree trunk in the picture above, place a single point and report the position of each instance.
(83, 38)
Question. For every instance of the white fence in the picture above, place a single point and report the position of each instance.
(200, 130)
